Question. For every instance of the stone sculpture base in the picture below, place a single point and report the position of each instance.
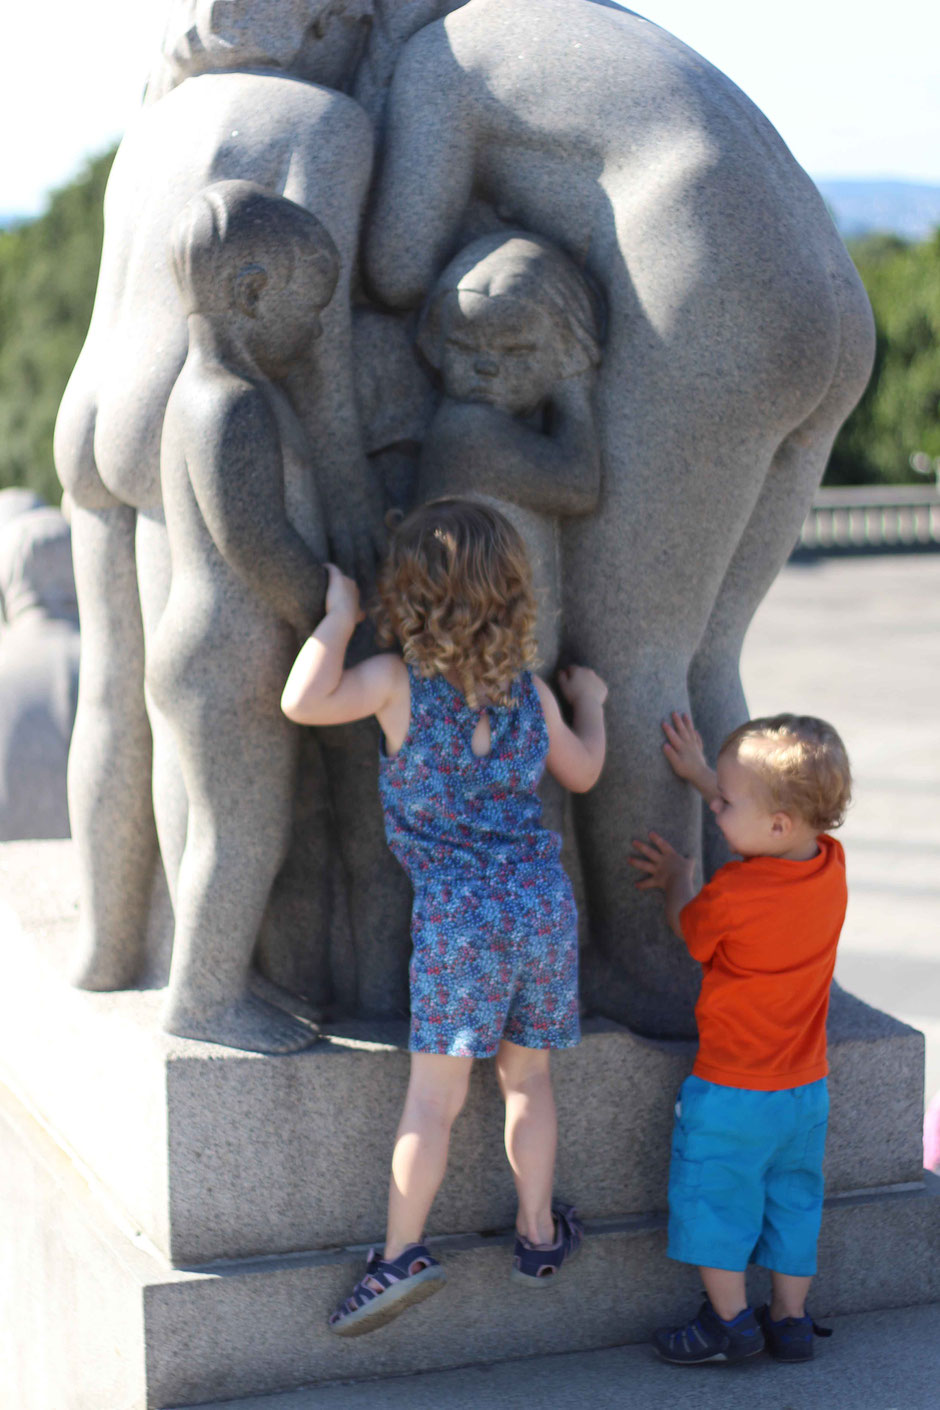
(179, 1217)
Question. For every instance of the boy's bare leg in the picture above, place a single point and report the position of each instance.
(789, 1296)
(437, 1090)
(726, 1291)
(531, 1136)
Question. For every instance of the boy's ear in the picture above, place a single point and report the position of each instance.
(781, 824)
(248, 286)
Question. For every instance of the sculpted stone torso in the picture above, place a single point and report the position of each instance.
(738, 339)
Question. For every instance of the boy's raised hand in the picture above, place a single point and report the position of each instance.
(662, 864)
(683, 747)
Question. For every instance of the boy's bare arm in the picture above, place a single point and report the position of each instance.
(684, 750)
(668, 871)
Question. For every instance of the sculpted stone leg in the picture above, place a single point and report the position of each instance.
(110, 758)
(379, 893)
(294, 946)
(169, 791)
(240, 778)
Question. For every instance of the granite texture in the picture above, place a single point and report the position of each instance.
(255, 272)
(738, 339)
(313, 146)
(512, 330)
(219, 1154)
(39, 656)
(877, 1359)
(118, 1328)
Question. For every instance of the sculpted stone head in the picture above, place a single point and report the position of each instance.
(317, 40)
(242, 254)
(508, 318)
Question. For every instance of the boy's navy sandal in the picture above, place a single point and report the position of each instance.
(387, 1289)
(708, 1338)
(539, 1267)
(790, 1339)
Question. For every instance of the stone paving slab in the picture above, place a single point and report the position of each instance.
(874, 1361)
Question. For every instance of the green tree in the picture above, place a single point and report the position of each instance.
(48, 273)
(900, 411)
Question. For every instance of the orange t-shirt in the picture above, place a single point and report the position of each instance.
(765, 931)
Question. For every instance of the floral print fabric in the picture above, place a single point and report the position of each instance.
(494, 925)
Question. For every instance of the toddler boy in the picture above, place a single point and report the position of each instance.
(745, 1183)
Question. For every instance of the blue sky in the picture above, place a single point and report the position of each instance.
(854, 88)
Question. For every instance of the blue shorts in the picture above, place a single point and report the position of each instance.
(746, 1183)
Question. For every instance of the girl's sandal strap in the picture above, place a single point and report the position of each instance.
(380, 1275)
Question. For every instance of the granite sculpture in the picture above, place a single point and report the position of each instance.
(559, 180)
(310, 143)
(738, 339)
(512, 329)
(39, 659)
(254, 272)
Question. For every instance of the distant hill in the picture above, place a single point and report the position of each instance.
(861, 207)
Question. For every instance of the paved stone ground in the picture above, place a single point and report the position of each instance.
(875, 1361)
(857, 641)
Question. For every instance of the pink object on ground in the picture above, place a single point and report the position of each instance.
(932, 1135)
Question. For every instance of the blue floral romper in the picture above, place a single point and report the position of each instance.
(494, 925)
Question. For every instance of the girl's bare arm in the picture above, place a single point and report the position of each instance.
(320, 690)
(576, 751)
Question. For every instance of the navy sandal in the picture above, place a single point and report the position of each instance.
(790, 1339)
(708, 1338)
(387, 1289)
(539, 1267)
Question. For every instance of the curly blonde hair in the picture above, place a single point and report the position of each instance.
(802, 764)
(456, 594)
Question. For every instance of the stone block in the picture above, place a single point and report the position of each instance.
(96, 1319)
(216, 1153)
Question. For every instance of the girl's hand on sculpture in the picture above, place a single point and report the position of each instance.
(686, 754)
(581, 683)
(342, 596)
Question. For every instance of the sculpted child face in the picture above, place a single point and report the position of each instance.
(500, 351)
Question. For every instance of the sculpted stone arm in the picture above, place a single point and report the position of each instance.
(476, 448)
(239, 487)
(426, 178)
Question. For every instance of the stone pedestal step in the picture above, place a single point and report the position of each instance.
(874, 1361)
(95, 1319)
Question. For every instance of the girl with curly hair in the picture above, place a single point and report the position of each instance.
(467, 731)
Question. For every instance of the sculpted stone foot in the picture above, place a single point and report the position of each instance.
(245, 1022)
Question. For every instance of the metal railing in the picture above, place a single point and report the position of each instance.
(872, 519)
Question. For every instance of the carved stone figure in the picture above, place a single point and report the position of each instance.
(738, 339)
(312, 145)
(511, 328)
(254, 273)
(39, 654)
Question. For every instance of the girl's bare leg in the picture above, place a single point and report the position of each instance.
(437, 1090)
(531, 1136)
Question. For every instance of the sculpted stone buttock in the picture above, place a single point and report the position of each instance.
(591, 284)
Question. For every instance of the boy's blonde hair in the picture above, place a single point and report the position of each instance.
(456, 593)
(802, 763)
